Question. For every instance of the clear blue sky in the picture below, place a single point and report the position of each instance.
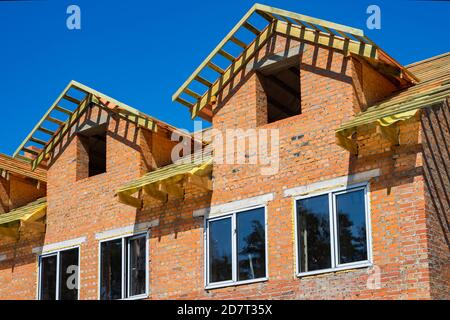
(139, 52)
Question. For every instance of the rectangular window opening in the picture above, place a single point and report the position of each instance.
(58, 275)
(281, 84)
(93, 153)
(236, 248)
(123, 268)
(332, 231)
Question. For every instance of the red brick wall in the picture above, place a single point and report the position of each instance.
(398, 216)
(81, 207)
(400, 210)
(370, 86)
(397, 198)
(18, 272)
(435, 133)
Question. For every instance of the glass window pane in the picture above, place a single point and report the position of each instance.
(68, 275)
(220, 250)
(111, 270)
(48, 278)
(351, 212)
(313, 233)
(251, 244)
(137, 266)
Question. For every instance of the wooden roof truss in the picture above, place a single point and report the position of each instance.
(277, 21)
(65, 112)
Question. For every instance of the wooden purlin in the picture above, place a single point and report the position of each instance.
(39, 125)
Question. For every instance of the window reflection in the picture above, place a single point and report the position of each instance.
(220, 250)
(251, 245)
(68, 283)
(351, 211)
(314, 233)
(137, 266)
(48, 278)
(111, 270)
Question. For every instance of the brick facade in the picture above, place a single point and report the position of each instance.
(409, 223)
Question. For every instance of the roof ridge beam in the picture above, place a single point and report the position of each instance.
(312, 20)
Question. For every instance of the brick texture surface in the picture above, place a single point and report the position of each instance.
(409, 201)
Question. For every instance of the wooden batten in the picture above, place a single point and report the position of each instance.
(347, 143)
(130, 201)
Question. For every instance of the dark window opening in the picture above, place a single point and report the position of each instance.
(123, 268)
(58, 277)
(351, 224)
(48, 278)
(314, 250)
(281, 84)
(94, 145)
(332, 231)
(111, 270)
(237, 247)
(220, 250)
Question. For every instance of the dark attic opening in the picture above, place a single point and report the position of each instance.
(281, 84)
(93, 153)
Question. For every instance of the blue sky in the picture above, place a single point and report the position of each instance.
(140, 52)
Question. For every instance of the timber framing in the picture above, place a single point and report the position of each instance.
(22, 168)
(289, 24)
(387, 115)
(169, 180)
(37, 147)
(27, 218)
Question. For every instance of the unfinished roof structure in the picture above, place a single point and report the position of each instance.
(171, 179)
(9, 165)
(70, 105)
(145, 215)
(433, 87)
(29, 216)
(217, 70)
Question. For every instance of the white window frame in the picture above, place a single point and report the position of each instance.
(335, 266)
(125, 258)
(233, 282)
(57, 253)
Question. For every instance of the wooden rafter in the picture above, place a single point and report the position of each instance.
(40, 147)
(308, 29)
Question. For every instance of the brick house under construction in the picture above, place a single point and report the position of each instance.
(93, 205)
